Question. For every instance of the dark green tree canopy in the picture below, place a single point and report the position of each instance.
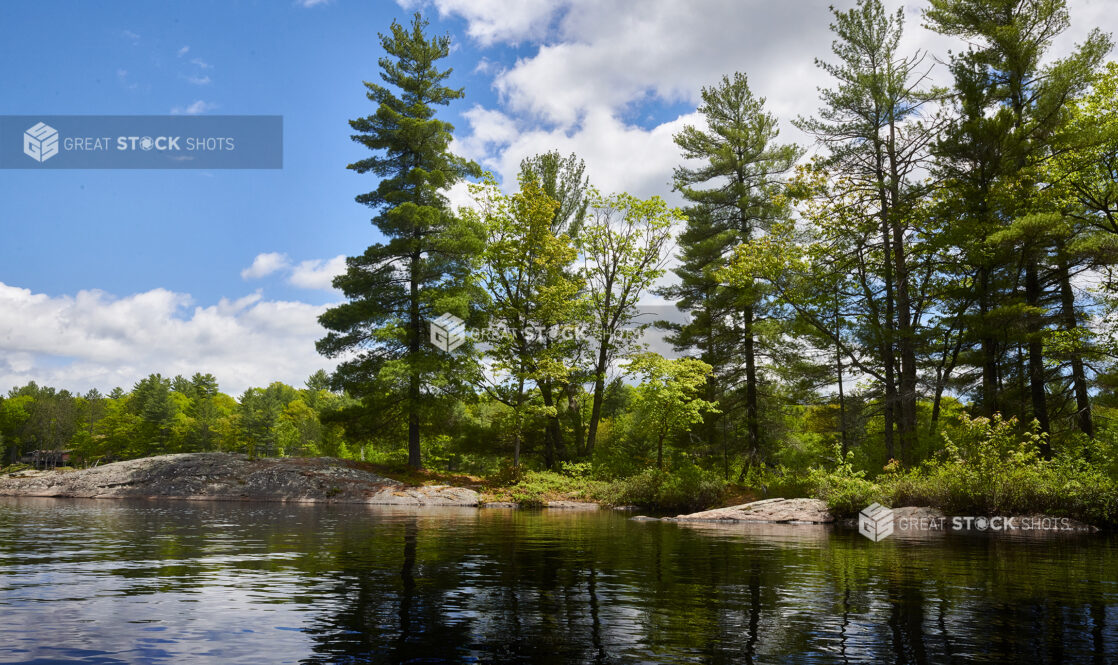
(421, 269)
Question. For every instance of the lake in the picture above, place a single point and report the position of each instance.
(115, 581)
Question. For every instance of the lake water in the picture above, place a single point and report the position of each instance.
(191, 582)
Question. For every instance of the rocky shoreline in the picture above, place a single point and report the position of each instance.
(236, 477)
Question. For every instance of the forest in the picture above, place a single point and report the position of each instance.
(917, 307)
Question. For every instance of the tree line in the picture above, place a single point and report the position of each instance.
(946, 248)
(162, 415)
(945, 251)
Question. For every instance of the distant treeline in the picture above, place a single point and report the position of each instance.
(161, 415)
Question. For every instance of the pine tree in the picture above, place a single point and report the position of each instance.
(872, 124)
(420, 270)
(734, 190)
(1009, 109)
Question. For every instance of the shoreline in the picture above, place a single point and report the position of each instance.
(235, 477)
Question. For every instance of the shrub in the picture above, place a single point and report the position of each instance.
(988, 467)
(685, 488)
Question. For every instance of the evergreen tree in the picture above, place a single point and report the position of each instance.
(732, 193)
(1009, 108)
(871, 122)
(420, 271)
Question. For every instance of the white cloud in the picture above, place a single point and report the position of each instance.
(317, 273)
(197, 107)
(599, 67)
(130, 36)
(201, 63)
(198, 80)
(265, 264)
(183, 51)
(309, 274)
(491, 21)
(312, 3)
(92, 339)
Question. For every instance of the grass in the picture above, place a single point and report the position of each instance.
(533, 489)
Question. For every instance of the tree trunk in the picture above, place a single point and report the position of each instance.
(1083, 418)
(1036, 356)
(989, 349)
(907, 344)
(415, 459)
(599, 395)
(842, 407)
(517, 423)
(751, 410)
(887, 353)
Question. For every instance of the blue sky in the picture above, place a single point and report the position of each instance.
(188, 231)
(106, 276)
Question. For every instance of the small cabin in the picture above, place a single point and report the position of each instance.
(48, 459)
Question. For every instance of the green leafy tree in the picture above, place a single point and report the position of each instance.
(564, 180)
(669, 395)
(525, 270)
(624, 247)
(420, 271)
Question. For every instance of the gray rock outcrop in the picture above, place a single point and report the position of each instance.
(793, 511)
(233, 477)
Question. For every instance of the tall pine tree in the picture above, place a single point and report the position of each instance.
(732, 195)
(420, 270)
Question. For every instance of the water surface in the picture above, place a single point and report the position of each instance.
(195, 582)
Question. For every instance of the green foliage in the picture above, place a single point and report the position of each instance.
(422, 269)
(988, 467)
(668, 396)
(533, 489)
(684, 488)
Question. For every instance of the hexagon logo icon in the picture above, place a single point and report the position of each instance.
(40, 142)
(448, 332)
(876, 522)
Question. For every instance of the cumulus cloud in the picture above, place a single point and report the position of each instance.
(94, 340)
(309, 274)
(490, 21)
(317, 273)
(619, 156)
(265, 264)
(196, 108)
(598, 67)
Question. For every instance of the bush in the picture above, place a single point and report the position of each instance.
(686, 488)
(988, 467)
